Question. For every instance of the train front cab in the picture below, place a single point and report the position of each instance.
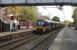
(42, 28)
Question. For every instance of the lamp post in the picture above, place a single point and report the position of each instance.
(1, 22)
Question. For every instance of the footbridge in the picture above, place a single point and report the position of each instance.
(37, 2)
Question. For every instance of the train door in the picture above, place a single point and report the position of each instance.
(51, 26)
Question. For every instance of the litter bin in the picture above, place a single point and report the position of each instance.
(18, 26)
(7, 27)
(2, 26)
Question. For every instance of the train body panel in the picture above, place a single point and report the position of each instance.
(46, 25)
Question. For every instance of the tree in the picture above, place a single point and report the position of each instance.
(24, 12)
(66, 22)
(75, 16)
(15, 10)
(29, 13)
(55, 18)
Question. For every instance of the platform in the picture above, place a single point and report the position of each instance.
(66, 40)
(15, 32)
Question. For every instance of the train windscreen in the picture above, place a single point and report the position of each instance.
(39, 23)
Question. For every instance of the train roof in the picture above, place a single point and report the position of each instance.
(52, 21)
(49, 21)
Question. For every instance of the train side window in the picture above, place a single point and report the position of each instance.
(51, 24)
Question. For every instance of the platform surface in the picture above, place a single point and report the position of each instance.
(9, 33)
(66, 40)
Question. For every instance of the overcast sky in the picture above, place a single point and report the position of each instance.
(52, 11)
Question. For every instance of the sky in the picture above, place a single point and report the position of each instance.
(51, 11)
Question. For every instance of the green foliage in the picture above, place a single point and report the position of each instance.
(55, 18)
(29, 13)
(75, 15)
(66, 22)
(24, 12)
(15, 10)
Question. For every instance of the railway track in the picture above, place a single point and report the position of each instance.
(44, 45)
(16, 42)
(32, 45)
(31, 42)
(13, 38)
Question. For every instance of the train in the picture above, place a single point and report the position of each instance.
(43, 25)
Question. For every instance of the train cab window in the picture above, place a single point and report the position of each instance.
(40, 23)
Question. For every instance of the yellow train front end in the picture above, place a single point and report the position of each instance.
(41, 26)
(41, 29)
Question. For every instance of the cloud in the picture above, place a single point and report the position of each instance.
(51, 11)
